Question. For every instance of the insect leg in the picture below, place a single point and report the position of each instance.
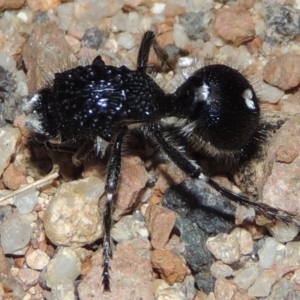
(148, 41)
(82, 152)
(143, 55)
(195, 171)
(112, 179)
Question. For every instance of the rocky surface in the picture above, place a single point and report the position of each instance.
(188, 249)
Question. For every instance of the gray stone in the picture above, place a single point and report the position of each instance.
(65, 15)
(263, 284)
(219, 270)
(128, 228)
(245, 277)
(282, 22)
(26, 201)
(15, 235)
(92, 38)
(64, 265)
(195, 24)
(64, 290)
(196, 252)
(267, 253)
(283, 232)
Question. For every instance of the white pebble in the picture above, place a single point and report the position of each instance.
(158, 8)
(180, 37)
(26, 16)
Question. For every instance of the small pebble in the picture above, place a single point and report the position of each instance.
(169, 266)
(28, 277)
(126, 40)
(88, 13)
(268, 252)
(15, 235)
(7, 62)
(9, 137)
(180, 38)
(183, 290)
(226, 289)
(160, 222)
(65, 15)
(128, 228)
(283, 289)
(292, 254)
(224, 247)
(245, 240)
(283, 71)
(72, 216)
(64, 265)
(286, 155)
(194, 24)
(235, 24)
(64, 290)
(245, 277)
(263, 284)
(37, 259)
(92, 38)
(130, 22)
(279, 27)
(269, 93)
(283, 232)
(26, 201)
(219, 270)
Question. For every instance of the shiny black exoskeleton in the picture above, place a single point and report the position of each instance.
(94, 101)
(216, 107)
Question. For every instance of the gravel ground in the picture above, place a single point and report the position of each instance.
(169, 245)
